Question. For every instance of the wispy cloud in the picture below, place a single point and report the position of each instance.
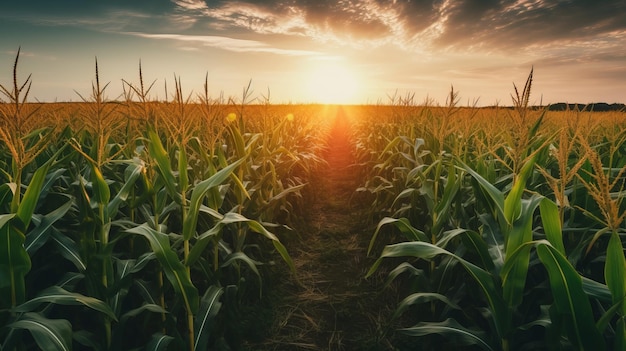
(492, 24)
(227, 43)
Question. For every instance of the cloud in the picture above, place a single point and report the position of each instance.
(518, 24)
(490, 24)
(226, 43)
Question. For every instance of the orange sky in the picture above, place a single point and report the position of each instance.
(324, 51)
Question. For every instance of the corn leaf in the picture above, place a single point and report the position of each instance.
(615, 276)
(60, 296)
(615, 270)
(198, 193)
(230, 218)
(183, 176)
(159, 154)
(552, 224)
(205, 320)
(101, 191)
(514, 274)
(6, 194)
(159, 342)
(240, 256)
(512, 204)
(442, 209)
(418, 298)
(428, 251)
(31, 196)
(68, 249)
(49, 334)
(174, 270)
(401, 224)
(37, 237)
(132, 173)
(520, 234)
(494, 194)
(14, 263)
(472, 240)
(450, 329)
(570, 300)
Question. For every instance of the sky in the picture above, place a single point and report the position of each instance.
(321, 51)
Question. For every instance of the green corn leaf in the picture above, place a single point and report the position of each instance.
(31, 196)
(514, 274)
(609, 315)
(240, 256)
(620, 335)
(477, 244)
(14, 263)
(493, 239)
(418, 298)
(401, 224)
(615, 270)
(60, 296)
(37, 237)
(428, 251)
(443, 206)
(51, 179)
(520, 233)
(570, 299)
(552, 224)
(240, 147)
(146, 307)
(403, 267)
(533, 130)
(68, 249)
(472, 240)
(451, 330)
(87, 339)
(198, 193)
(230, 218)
(259, 228)
(49, 334)
(496, 195)
(101, 191)
(202, 241)
(159, 342)
(5, 218)
(133, 172)
(6, 195)
(183, 176)
(597, 290)
(206, 318)
(146, 291)
(159, 154)
(512, 204)
(174, 270)
(284, 193)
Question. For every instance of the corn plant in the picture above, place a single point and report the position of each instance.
(498, 255)
(24, 232)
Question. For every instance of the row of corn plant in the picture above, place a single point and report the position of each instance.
(132, 223)
(513, 235)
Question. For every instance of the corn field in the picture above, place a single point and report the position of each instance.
(140, 224)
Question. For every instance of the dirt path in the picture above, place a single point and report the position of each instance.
(333, 307)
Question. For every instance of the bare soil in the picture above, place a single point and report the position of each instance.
(328, 304)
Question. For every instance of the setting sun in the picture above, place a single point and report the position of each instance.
(332, 82)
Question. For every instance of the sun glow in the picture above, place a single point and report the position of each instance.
(332, 82)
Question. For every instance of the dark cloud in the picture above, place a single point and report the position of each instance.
(460, 24)
(510, 24)
(84, 8)
(415, 16)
